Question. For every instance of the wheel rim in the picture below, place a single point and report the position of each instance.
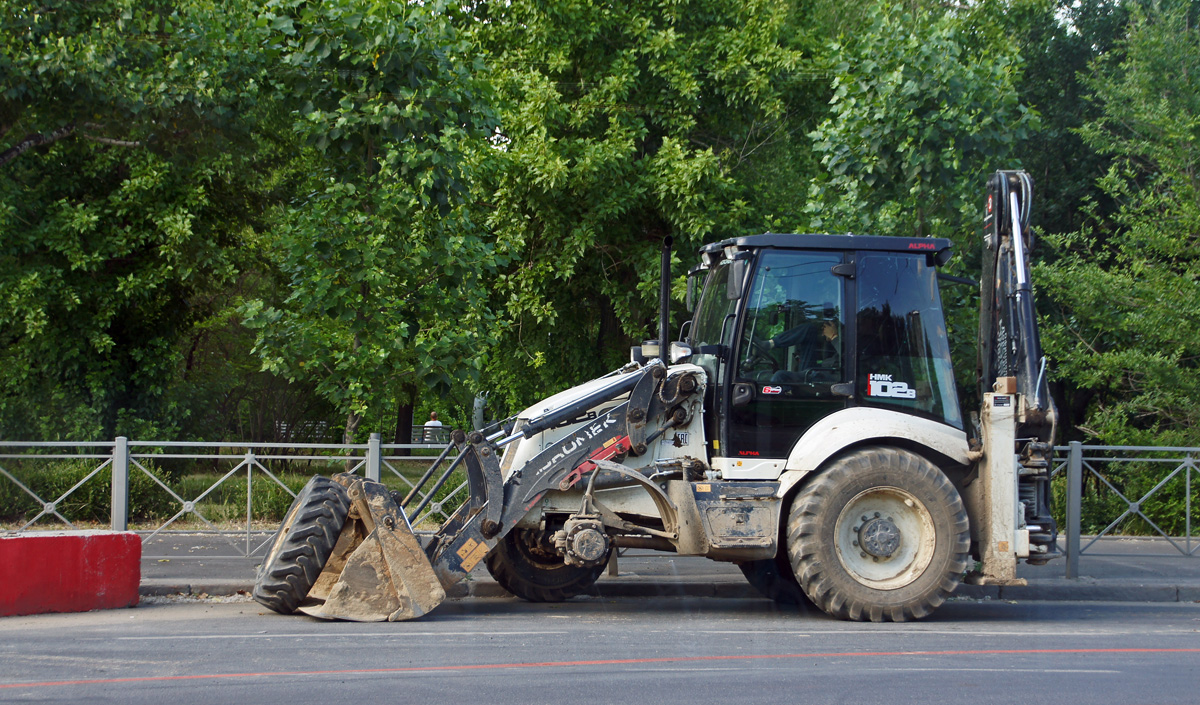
(885, 538)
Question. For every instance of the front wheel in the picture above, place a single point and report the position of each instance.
(880, 535)
(526, 566)
(302, 545)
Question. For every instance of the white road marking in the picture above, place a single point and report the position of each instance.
(328, 635)
(964, 632)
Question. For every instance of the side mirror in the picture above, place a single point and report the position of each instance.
(737, 275)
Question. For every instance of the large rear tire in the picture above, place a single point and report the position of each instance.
(522, 564)
(880, 535)
(302, 545)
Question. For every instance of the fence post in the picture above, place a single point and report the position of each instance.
(374, 460)
(120, 484)
(1074, 502)
(1187, 501)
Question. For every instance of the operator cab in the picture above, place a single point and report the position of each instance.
(792, 328)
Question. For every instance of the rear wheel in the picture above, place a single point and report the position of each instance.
(880, 535)
(302, 545)
(524, 565)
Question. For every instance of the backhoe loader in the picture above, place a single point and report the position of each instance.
(807, 428)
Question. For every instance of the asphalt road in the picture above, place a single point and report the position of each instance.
(663, 650)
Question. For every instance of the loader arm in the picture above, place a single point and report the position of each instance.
(496, 507)
(377, 570)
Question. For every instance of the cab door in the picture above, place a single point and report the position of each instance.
(789, 366)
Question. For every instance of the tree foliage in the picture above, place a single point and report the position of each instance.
(923, 108)
(244, 220)
(126, 189)
(622, 123)
(1127, 286)
(382, 263)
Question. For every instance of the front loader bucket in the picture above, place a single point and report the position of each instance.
(377, 571)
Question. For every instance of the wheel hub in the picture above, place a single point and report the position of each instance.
(879, 536)
(582, 541)
(884, 537)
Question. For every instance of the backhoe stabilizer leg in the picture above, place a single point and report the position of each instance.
(377, 571)
(1001, 540)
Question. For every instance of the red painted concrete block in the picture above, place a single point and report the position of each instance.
(69, 571)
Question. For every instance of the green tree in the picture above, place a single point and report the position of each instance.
(1058, 40)
(924, 106)
(127, 135)
(1126, 286)
(383, 265)
(622, 123)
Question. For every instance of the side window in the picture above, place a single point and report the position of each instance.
(792, 335)
(713, 322)
(904, 353)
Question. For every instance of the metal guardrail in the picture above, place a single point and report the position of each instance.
(1100, 465)
(126, 459)
(1095, 467)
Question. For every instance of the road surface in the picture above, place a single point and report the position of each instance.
(596, 651)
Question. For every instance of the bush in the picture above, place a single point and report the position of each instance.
(90, 501)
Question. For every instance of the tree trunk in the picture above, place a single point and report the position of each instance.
(608, 334)
(352, 421)
(404, 417)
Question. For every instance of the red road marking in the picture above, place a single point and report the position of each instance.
(602, 662)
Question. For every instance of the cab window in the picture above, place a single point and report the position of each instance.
(903, 350)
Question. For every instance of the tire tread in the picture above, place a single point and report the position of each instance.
(525, 579)
(809, 513)
(302, 545)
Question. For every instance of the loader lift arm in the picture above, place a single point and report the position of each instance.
(378, 571)
(476, 527)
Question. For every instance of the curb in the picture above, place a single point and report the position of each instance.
(200, 588)
(1046, 590)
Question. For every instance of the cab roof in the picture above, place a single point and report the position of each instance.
(938, 246)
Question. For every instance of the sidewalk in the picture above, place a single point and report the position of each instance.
(1125, 570)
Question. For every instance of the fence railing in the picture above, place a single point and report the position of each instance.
(256, 474)
(1099, 490)
(1108, 488)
